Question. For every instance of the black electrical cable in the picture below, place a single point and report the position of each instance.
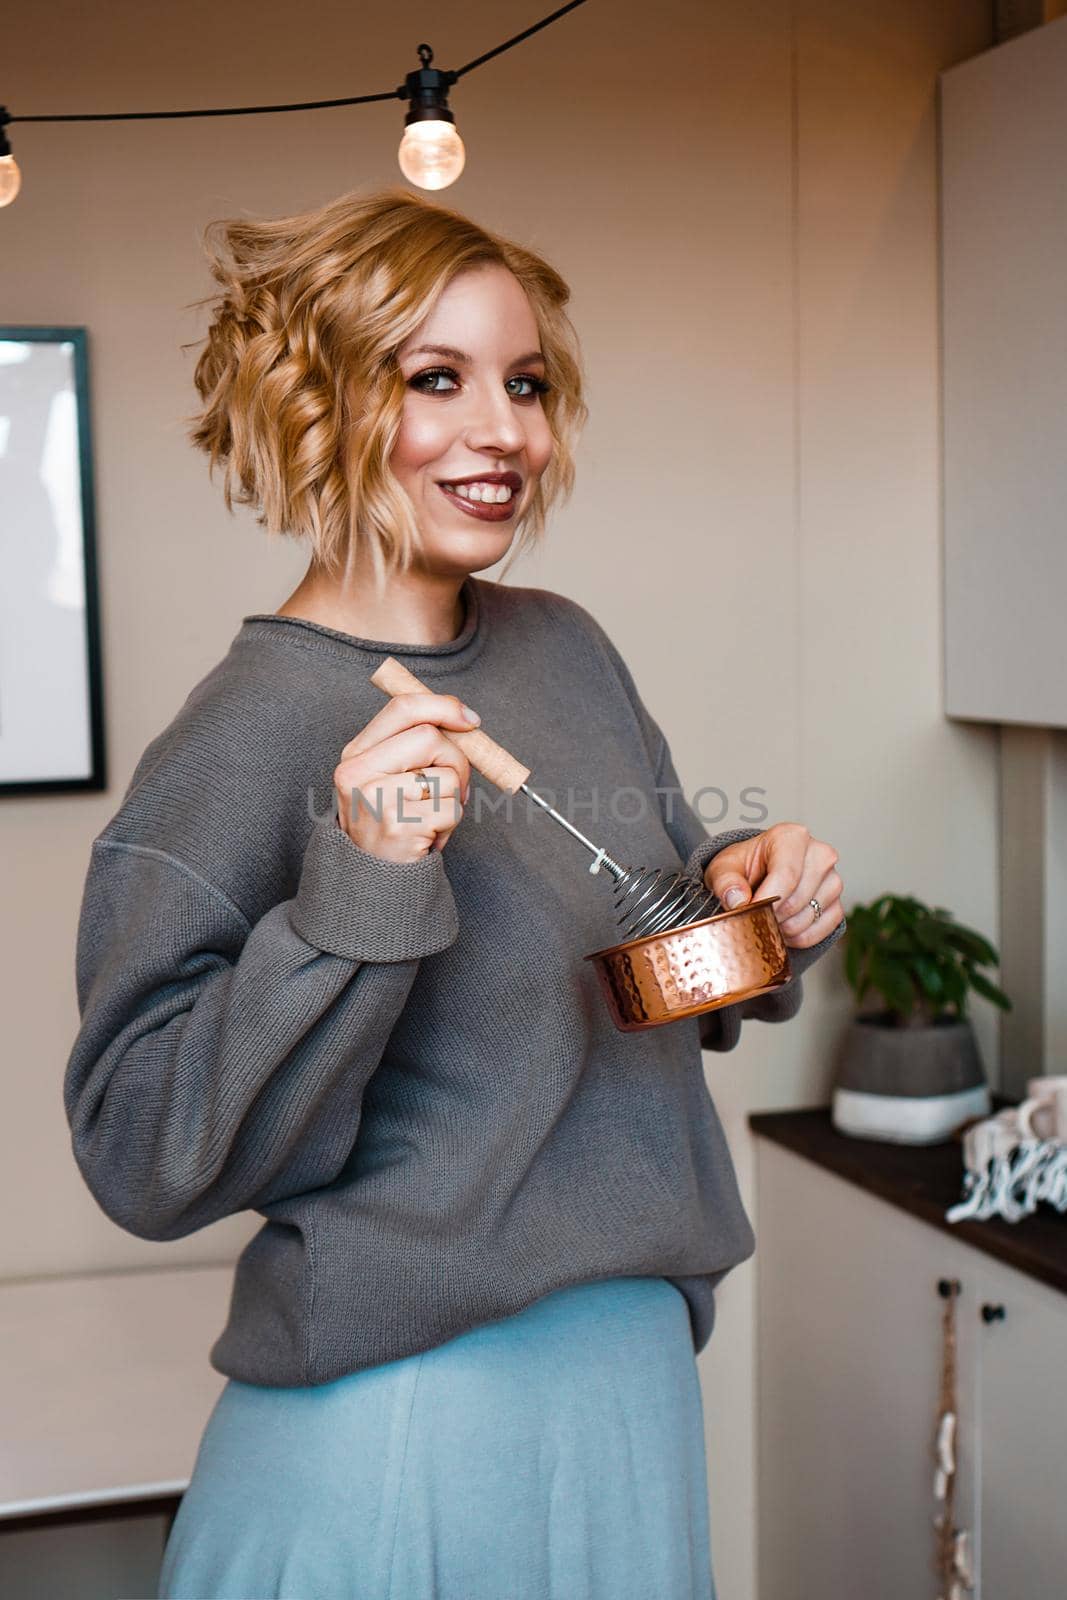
(305, 105)
(519, 37)
(212, 111)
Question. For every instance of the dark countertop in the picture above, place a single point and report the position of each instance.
(926, 1180)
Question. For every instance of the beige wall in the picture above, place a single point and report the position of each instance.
(744, 200)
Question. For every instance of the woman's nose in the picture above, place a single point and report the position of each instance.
(495, 423)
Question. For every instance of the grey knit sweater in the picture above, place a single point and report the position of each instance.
(405, 1068)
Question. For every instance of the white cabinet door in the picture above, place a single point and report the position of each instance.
(849, 1367)
(1021, 1365)
(1004, 341)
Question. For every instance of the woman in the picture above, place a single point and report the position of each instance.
(460, 1350)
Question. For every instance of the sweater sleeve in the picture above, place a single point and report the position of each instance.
(719, 1029)
(213, 1070)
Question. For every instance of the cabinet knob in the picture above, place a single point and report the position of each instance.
(991, 1313)
(947, 1287)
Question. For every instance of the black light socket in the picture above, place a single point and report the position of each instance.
(427, 89)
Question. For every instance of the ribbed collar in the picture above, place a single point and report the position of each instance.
(449, 657)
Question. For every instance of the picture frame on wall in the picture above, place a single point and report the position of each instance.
(51, 699)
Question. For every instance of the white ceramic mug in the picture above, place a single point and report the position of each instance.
(1043, 1114)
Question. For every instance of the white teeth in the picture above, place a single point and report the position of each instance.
(493, 493)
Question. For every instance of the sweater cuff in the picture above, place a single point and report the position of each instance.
(783, 1004)
(801, 960)
(355, 904)
(703, 852)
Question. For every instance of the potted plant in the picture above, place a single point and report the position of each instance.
(909, 1070)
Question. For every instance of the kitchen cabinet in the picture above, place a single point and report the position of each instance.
(1003, 197)
(1021, 1415)
(849, 1352)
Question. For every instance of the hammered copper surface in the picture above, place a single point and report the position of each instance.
(684, 971)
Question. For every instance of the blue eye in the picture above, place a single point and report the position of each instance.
(537, 385)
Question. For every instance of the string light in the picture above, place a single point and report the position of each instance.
(431, 153)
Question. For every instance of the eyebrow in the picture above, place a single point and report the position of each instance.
(461, 355)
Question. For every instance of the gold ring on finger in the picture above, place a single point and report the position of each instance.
(424, 780)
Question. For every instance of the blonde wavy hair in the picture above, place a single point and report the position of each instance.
(301, 387)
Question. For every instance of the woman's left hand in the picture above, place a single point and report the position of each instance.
(787, 861)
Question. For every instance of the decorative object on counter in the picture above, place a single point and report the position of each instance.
(953, 1559)
(682, 954)
(911, 1073)
(1018, 1158)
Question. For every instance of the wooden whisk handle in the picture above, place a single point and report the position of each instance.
(483, 753)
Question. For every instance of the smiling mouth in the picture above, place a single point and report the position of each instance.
(499, 494)
(499, 506)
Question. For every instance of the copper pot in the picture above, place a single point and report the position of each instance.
(699, 967)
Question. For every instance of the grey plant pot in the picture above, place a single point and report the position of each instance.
(912, 1085)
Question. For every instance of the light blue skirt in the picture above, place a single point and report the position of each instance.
(557, 1454)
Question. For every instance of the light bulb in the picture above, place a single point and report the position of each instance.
(10, 179)
(431, 153)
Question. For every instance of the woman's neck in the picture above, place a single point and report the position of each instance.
(415, 608)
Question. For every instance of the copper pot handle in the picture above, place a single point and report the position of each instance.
(483, 753)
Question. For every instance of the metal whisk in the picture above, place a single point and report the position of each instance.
(647, 899)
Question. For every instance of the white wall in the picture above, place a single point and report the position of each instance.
(744, 199)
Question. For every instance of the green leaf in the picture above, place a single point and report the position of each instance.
(930, 936)
(973, 945)
(955, 986)
(983, 986)
(929, 976)
(893, 984)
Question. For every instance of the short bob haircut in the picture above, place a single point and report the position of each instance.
(302, 392)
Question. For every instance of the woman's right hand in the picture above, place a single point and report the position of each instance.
(386, 816)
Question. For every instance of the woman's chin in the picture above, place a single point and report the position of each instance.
(481, 545)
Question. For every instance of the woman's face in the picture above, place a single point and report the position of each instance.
(472, 418)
